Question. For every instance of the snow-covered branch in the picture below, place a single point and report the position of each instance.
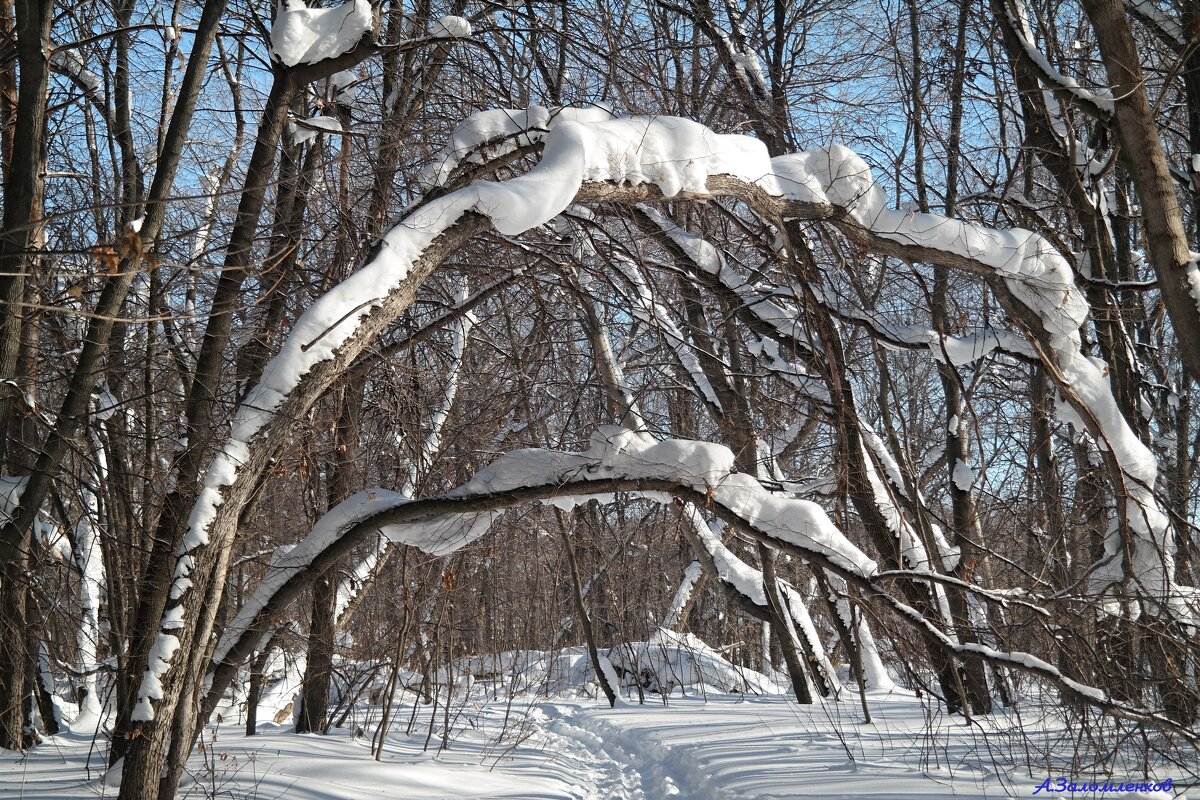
(637, 160)
(1098, 103)
(619, 461)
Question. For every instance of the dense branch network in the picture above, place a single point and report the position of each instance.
(639, 160)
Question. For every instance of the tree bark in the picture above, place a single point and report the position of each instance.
(585, 619)
(1142, 154)
(314, 697)
(22, 191)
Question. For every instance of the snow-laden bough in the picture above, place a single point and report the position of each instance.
(659, 471)
(605, 159)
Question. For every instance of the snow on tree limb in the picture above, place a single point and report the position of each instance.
(1167, 27)
(682, 600)
(303, 35)
(697, 473)
(1097, 103)
(487, 135)
(640, 159)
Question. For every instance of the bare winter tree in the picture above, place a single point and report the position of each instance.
(873, 337)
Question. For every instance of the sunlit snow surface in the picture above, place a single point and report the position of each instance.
(718, 747)
(303, 35)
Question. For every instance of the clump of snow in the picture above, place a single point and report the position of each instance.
(683, 595)
(106, 405)
(11, 489)
(499, 131)
(310, 128)
(341, 86)
(151, 687)
(1193, 278)
(749, 69)
(303, 35)
(962, 475)
(964, 350)
(670, 660)
(610, 677)
(112, 776)
(70, 62)
(451, 27)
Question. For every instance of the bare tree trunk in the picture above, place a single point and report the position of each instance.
(22, 190)
(314, 697)
(318, 669)
(1142, 154)
(8, 94)
(847, 632)
(203, 391)
(585, 619)
(254, 688)
(783, 631)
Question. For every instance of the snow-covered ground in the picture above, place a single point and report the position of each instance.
(701, 748)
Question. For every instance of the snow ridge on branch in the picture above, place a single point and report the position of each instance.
(682, 158)
(670, 469)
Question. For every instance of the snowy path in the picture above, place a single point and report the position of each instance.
(768, 749)
(772, 749)
(727, 748)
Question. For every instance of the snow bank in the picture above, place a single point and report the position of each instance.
(670, 660)
(667, 661)
(518, 672)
